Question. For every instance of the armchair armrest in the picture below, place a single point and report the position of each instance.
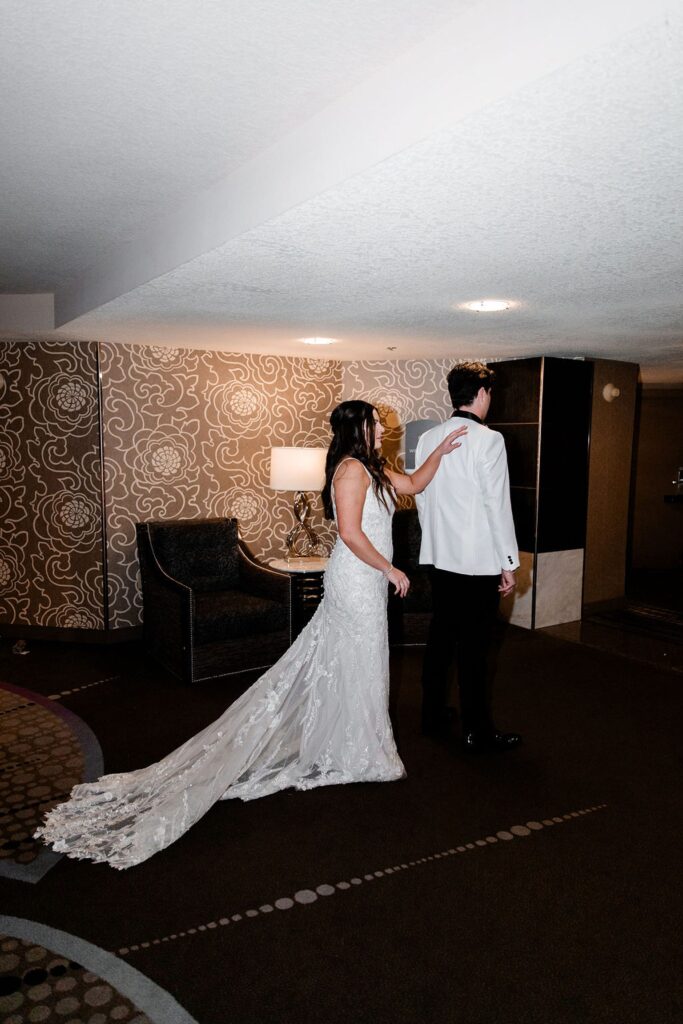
(262, 580)
(168, 610)
(150, 567)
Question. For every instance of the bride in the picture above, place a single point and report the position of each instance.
(319, 716)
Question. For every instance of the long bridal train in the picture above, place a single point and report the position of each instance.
(318, 717)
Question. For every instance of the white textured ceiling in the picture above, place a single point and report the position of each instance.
(113, 110)
(564, 195)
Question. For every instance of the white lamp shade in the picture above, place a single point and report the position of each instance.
(297, 469)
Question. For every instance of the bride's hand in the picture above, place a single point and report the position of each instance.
(400, 581)
(450, 442)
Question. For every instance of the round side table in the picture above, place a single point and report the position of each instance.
(307, 576)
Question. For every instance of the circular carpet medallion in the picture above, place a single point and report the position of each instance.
(46, 751)
(49, 975)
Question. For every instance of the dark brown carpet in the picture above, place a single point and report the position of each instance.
(572, 922)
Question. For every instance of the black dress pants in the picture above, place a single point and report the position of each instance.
(464, 610)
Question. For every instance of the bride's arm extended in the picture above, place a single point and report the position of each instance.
(417, 481)
(350, 487)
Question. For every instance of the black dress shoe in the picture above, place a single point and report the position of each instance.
(504, 740)
(474, 743)
(479, 742)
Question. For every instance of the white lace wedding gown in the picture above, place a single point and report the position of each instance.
(318, 717)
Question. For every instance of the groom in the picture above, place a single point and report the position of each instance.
(468, 537)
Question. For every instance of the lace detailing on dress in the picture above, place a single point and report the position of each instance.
(318, 717)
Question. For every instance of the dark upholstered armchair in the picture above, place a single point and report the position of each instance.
(409, 616)
(209, 609)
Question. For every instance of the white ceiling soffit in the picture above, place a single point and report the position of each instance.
(115, 112)
(529, 151)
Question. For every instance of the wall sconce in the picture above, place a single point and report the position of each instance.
(3, 384)
(299, 470)
(610, 392)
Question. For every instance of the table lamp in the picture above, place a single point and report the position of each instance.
(299, 470)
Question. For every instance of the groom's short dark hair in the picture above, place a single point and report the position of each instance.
(464, 382)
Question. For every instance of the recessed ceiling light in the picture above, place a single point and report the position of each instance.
(487, 305)
(318, 341)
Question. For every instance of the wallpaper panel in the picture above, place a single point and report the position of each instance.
(405, 390)
(187, 433)
(50, 485)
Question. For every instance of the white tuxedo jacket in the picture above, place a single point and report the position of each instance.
(465, 511)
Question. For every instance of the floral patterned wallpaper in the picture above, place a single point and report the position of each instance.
(403, 390)
(188, 433)
(51, 540)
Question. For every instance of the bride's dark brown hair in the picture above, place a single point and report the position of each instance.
(353, 436)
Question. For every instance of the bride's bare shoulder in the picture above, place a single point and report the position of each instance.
(351, 471)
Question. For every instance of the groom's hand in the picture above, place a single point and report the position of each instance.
(507, 582)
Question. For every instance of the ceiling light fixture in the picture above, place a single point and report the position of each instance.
(318, 341)
(487, 305)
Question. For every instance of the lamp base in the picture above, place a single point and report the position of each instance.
(302, 541)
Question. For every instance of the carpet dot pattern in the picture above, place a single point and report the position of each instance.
(37, 985)
(78, 689)
(41, 761)
(305, 897)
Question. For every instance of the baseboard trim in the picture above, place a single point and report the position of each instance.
(60, 634)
